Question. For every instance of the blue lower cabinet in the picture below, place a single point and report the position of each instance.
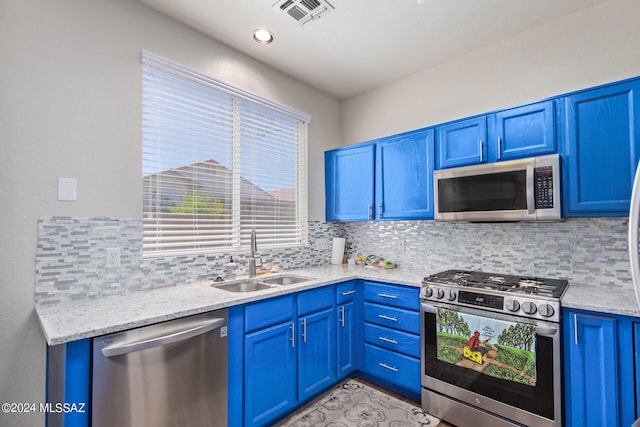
(316, 353)
(394, 367)
(286, 363)
(68, 383)
(391, 339)
(599, 369)
(349, 327)
(392, 335)
(346, 349)
(391, 317)
(270, 374)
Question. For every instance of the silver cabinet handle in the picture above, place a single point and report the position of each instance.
(129, 347)
(575, 328)
(388, 296)
(382, 316)
(391, 368)
(344, 294)
(342, 316)
(379, 209)
(368, 211)
(499, 148)
(304, 329)
(293, 334)
(481, 154)
(385, 339)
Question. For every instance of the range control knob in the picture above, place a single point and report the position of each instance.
(450, 294)
(529, 307)
(546, 310)
(428, 292)
(512, 305)
(439, 293)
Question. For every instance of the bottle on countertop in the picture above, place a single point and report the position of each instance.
(232, 268)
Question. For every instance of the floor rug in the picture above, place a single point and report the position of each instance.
(352, 403)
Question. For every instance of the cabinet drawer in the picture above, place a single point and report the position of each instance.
(269, 312)
(315, 300)
(346, 292)
(401, 342)
(393, 295)
(394, 367)
(395, 318)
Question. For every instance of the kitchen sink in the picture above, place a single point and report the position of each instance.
(286, 280)
(244, 286)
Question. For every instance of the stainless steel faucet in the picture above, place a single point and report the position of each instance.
(252, 257)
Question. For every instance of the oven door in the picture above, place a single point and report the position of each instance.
(538, 404)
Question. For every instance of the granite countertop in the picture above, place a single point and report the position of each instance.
(602, 299)
(65, 322)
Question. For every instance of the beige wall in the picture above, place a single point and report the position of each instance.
(70, 106)
(591, 47)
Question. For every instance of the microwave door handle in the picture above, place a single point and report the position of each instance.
(531, 204)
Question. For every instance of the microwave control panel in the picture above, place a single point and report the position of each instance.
(543, 187)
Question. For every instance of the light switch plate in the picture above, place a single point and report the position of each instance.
(67, 189)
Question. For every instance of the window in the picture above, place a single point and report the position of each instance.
(218, 161)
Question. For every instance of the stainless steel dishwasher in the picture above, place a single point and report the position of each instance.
(164, 375)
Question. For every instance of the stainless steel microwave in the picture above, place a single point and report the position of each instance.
(516, 190)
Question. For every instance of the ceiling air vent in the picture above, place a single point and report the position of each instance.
(304, 11)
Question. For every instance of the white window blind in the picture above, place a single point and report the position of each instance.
(218, 161)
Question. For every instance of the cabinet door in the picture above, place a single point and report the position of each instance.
(404, 176)
(349, 183)
(346, 331)
(591, 363)
(270, 374)
(316, 353)
(462, 143)
(524, 131)
(602, 149)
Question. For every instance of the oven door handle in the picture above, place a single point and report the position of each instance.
(429, 309)
(546, 331)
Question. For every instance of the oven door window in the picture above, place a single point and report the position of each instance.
(536, 398)
(499, 348)
(503, 191)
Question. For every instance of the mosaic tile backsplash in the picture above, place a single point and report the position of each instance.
(71, 260)
(586, 251)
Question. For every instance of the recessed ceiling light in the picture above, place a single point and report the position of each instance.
(262, 36)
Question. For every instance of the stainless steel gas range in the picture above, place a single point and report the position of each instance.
(490, 347)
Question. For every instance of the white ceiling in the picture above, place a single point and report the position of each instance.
(363, 44)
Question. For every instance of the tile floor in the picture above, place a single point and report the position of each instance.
(400, 397)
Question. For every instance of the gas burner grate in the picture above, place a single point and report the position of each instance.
(553, 288)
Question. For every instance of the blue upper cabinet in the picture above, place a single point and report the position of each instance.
(601, 150)
(404, 176)
(515, 133)
(349, 183)
(390, 178)
(462, 143)
(522, 132)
